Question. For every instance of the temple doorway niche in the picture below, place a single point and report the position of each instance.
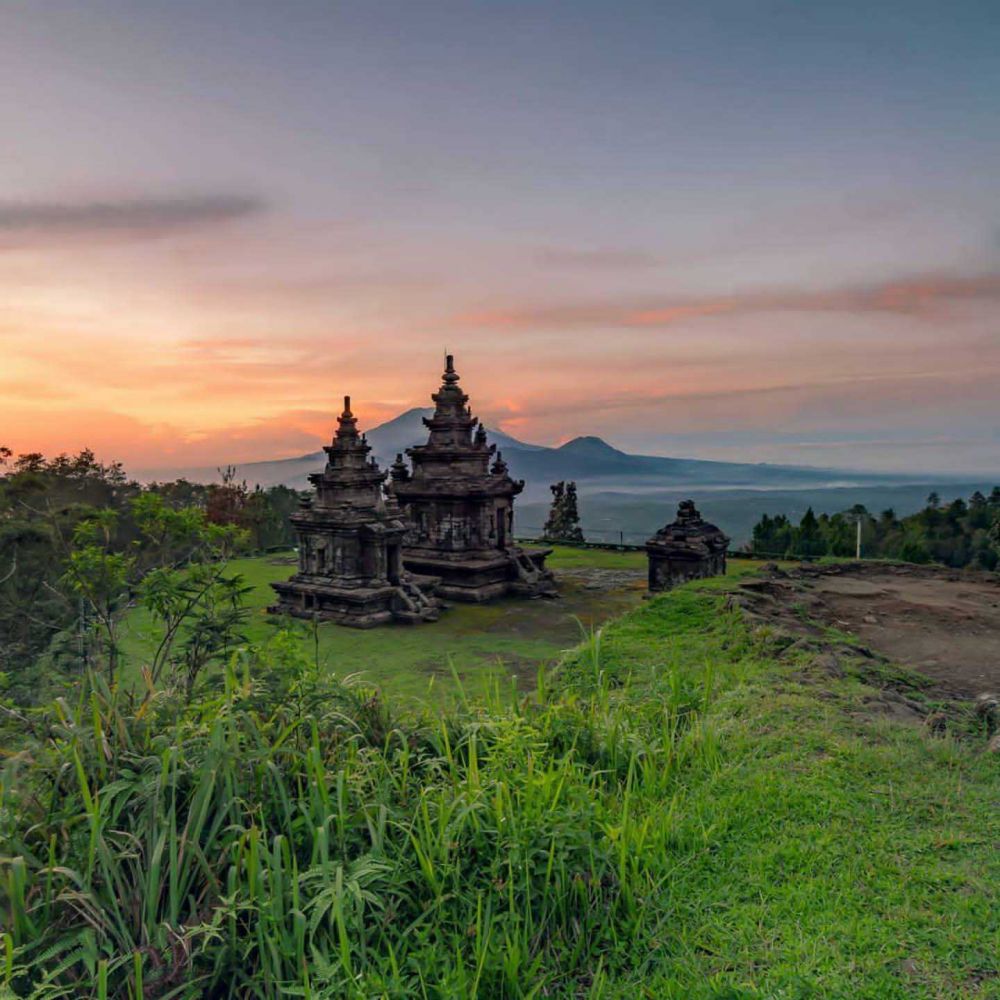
(369, 559)
(501, 528)
(394, 562)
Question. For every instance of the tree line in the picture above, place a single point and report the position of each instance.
(959, 534)
(80, 542)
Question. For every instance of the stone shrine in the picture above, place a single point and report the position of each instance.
(688, 549)
(350, 545)
(460, 508)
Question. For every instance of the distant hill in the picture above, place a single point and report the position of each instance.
(627, 496)
(616, 515)
(594, 464)
(387, 440)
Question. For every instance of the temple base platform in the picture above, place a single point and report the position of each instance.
(483, 575)
(410, 602)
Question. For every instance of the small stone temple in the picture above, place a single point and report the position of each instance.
(688, 549)
(460, 508)
(350, 544)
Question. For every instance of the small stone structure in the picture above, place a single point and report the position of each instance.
(460, 508)
(350, 545)
(688, 549)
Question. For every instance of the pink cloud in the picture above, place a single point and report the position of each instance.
(917, 295)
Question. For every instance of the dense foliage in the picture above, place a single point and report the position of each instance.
(66, 521)
(961, 533)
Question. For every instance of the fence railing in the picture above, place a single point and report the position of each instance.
(586, 544)
(601, 538)
(605, 539)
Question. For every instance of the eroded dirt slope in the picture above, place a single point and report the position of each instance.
(942, 623)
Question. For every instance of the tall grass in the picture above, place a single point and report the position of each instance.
(290, 838)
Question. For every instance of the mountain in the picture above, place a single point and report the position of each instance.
(387, 440)
(402, 432)
(594, 464)
(627, 496)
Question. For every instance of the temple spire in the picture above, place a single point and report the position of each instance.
(347, 424)
(460, 510)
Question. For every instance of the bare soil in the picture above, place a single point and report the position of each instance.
(941, 623)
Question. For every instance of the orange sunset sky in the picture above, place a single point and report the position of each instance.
(746, 231)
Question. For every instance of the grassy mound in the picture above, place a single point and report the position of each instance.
(677, 812)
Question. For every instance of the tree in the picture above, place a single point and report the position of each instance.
(980, 515)
(226, 502)
(956, 534)
(563, 524)
(176, 568)
(571, 515)
(553, 524)
(99, 576)
(809, 541)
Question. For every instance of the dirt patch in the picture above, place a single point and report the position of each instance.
(522, 634)
(939, 622)
(587, 598)
(609, 580)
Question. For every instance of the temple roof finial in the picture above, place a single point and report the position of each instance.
(450, 375)
(347, 424)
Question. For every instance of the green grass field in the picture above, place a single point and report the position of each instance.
(822, 852)
(685, 809)
(484, 644)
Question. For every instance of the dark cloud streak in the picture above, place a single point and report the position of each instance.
(145, 216)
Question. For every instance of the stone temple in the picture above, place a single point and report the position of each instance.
(350, 545)
(688, 549)
(460, 508)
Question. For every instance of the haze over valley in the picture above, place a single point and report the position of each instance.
(625, 496)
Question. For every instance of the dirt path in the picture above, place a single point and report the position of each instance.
(940, 622)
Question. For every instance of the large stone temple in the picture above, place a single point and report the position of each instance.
(460, 508)
(686, 549)
(350, 544)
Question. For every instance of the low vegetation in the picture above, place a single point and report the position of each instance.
(679, 810)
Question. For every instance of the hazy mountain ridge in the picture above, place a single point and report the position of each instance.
(627, 497)
(589, 460)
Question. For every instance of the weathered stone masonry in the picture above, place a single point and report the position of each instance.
(460, 508)
(350, 545)
(687, 549)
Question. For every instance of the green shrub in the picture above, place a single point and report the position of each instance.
(290, 838)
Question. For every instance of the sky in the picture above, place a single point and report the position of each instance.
(762, 231)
